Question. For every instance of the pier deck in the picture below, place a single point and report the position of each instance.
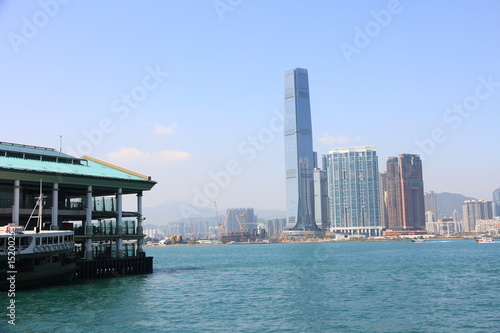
(106, 268)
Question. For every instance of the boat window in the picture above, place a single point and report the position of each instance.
(2, 242)
(51, 240)
(38, 241)
(44, 240)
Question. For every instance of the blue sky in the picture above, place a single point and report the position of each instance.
(191, 92)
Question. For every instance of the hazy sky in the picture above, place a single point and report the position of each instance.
(191, 92)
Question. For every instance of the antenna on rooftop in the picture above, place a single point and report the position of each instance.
(60, 143)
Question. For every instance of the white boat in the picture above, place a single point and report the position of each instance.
(35, 257)
(418, 240)
(485, 239)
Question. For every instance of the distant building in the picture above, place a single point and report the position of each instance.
(496, 203)
(321, 199)
(382, 182)
(442, 227)
(455, 216)
(474, 210)
(274, 227)
(238, 219)
(430, 203)
(405, 193)
(353, 190)
(490, 226)
(429, 217)
(299, 156)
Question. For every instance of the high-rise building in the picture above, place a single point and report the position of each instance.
(382, 183)
(274, 227)
(321, 199)
(353, 190)
(238, 219)
(405, 193)
(496, 203)
(474, 210)
(430, 203)
(299, 156)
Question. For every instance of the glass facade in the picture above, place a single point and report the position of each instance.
(353, 187)
(299, 157)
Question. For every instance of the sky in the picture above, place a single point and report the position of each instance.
(191, 92)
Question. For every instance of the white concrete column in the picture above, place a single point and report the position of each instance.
(89, 231)
(140, 230)
(55, 207)
(15, 207)
(119, 223)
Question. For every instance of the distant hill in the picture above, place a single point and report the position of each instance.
(177, 211)
(173, 211)
(269, 213)
(448, 202)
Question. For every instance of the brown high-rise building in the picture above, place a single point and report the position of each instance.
(404, 199)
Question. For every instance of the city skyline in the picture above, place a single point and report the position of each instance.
(192, 95)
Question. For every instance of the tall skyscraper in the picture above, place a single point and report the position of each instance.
(299, 156)
(353, 190)
(405, 193)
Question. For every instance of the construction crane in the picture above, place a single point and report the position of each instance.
(243, 225)
(219, 225)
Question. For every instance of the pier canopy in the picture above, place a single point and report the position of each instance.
(32, 164)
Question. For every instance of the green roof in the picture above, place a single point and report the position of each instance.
(32, 150)
(47, 160)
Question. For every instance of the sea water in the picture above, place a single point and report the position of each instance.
(383, 286)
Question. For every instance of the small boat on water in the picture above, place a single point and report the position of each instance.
(31, 258)
(418, 240)
(485, 239)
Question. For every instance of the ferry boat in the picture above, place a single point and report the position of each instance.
(34, 257)
(29, 258)
(485, 239)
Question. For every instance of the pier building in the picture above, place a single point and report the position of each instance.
(81, 194)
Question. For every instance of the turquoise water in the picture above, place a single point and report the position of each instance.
(308, 287)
